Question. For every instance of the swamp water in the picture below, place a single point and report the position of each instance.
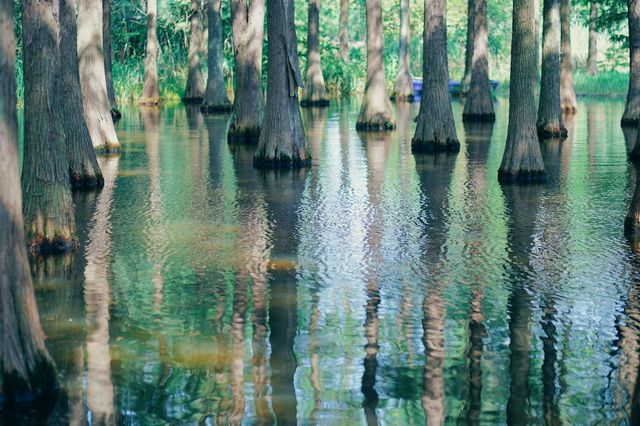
(375, 287)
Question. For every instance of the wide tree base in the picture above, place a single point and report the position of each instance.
(522, 177)
(479, 118)
(115, 114)
(549, 132)
(216, 109)
(314, 103)
(634, 155)
(192, 101)
(632, 227)
(249, 135)
(86, 183)
(378, 123)
(451, 146)
(42, 384)
(281, 163)
(109, 149)
(630, 122)
(39, 245)
(569, 110)
(150, 102)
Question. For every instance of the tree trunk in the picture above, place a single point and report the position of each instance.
(215, 96)
(26, 370)
(634, 154)
(549, 122)
(194, 91)
(375, 112)
(84, 170)
(314, 92)
(436, 130)
(631, 116)
(151, 90)
(48, 208)
(403, 89)
(204, 45)
(478, 105)
(592, 58)
(247, 24)
(522, 159)
(567, 92)
(344, 30)
(465, 84)
(93, 80)
(108, 58)
(282, 142)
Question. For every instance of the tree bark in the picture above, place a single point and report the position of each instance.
(403, 89)
(194, 91)
(93, 80)
(631, 116)
(84, 170)
(436, 130)
(48, 207)
(522, 159)
(344, 30)
(568, 101)
(375, 112)
(108, 58)
(592, 58)
(151, 89)
(479, 105)
(26, 369)
(247, 24)
(549, 122)
(282, 142)
(215, 95)
(314, 92)
(465, 84)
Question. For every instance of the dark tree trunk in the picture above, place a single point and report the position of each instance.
(84, 170)
(549, 122)
(468, 51)
(26, 370)
(248, 104)
(631, 116)
(632, 221)
(93, 80)
(522, 159)
(344, 30)
(204, 43)
(215, 96)
(567, 92)
(436, 130)
(151, 89)
(194, 91)
(282, 142)
(478, 105)
(48, 208)
(375, 112)
(314, 92)
(592, 58)
(108, 58)
(403, 89)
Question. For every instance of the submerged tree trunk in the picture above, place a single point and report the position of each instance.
(151, 89)
(631, 116)
(375, 112)
(84, 170)
(93, 80)
(468, 51)
(478, 105)
(567, 92)
(282, 141)
(247, 24)
(344, 30)
(215, 96)
(48, 208)
(592, 58)
(194, 91)
(522, 159)
(403, 89)
(108, 69)
(26, 370)
(436, 130)
(549, 122)
(314, 92)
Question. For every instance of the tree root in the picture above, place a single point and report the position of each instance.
(451, 146)
(283, 162)
(216, 109)
(192, 101)
(249, 135)
(38, 245)
(522, 177)
(479, 118)
(550, 132)
(150, 102)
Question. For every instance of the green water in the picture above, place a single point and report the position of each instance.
(375, 287)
